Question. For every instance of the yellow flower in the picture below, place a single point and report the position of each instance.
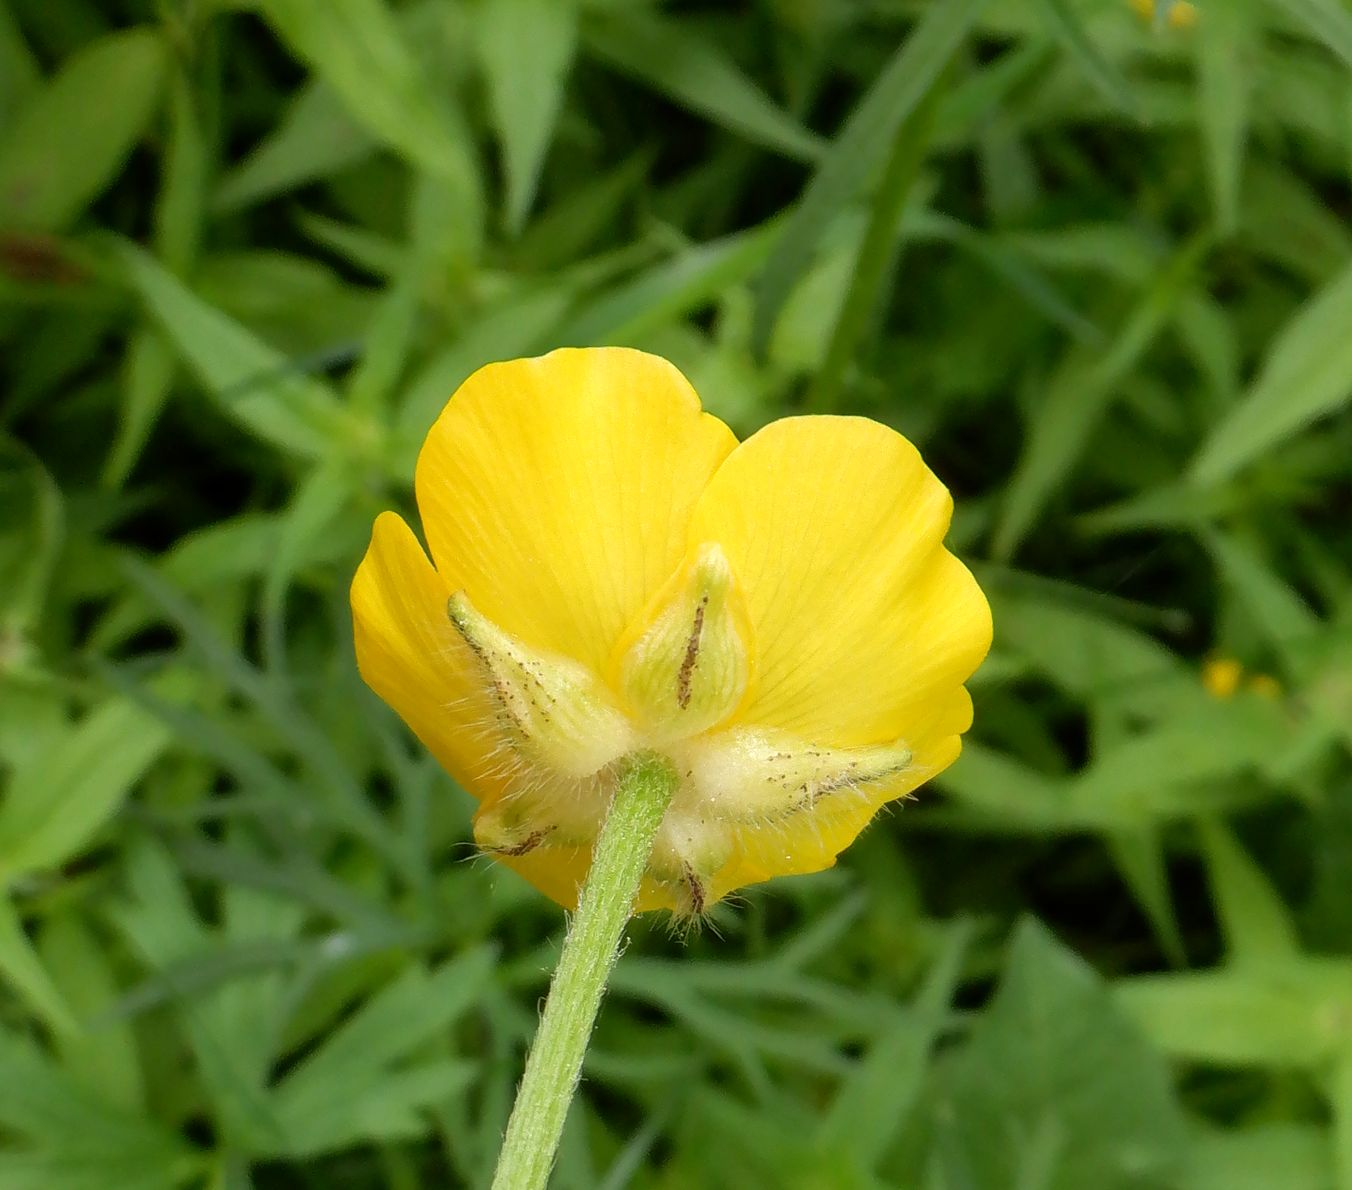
(1222, 678)
(1180, 14)
(613, 572)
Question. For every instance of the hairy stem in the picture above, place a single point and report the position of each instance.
(618, 862)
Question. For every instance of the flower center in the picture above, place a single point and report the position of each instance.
(675, 684)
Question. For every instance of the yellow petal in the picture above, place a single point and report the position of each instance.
(865, 626)
(556, 492)
(410, 654)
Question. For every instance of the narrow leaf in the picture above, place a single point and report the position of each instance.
(1326, 21)
(56, 804)
(857, 150)
(1097, 68)
(1308, 374)
(357, 47)
(72, 137)
(525, 50)
(316, 137)
(21, 968)
(253, 384)
(1080, 396)
(1256, 923)
(695, 72)
(1224, 75)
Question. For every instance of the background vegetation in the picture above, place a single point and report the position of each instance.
(1096, 264)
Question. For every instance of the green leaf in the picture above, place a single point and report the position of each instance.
(56, 804)
(1080, 395)
(1340, 1097)
(158, 1169)
(1140, 858)
(1097, 68)
(319, 500)
(345, 1091)
(1090, 655)
(873, 1102)
(1286, 221)
(392, 334)
(1181, 767)
(695, 72)
(315, 138)
(73, 135)
(1004, 793)
(181, 202)
(24, 971)
(103, 1056)
(75, 1140)
(1307, 375)
(1256, 924)
(1264, 1157)
(1278, 612)
(31, 535)
(1279, 1016)
(856, 151)
(901, 170)
(150, 366)
(582, 216)
(1325, 20)
(147, 380)
(357, 47)
(230, 1050)
(340, 788)
(1225, 69)
(525, 50)
(252, 383)
(1055, 1078)
(19, 72)
(667, 290)
(1001, 256)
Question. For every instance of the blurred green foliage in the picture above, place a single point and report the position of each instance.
(1097, 266)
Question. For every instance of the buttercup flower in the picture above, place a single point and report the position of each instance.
(1179, 13)
(1222, 678)
(613, 573)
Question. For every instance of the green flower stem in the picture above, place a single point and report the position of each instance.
(618, 862)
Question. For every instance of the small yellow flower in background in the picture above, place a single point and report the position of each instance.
(1180, 14)
(612, 572)
(1223, 677)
